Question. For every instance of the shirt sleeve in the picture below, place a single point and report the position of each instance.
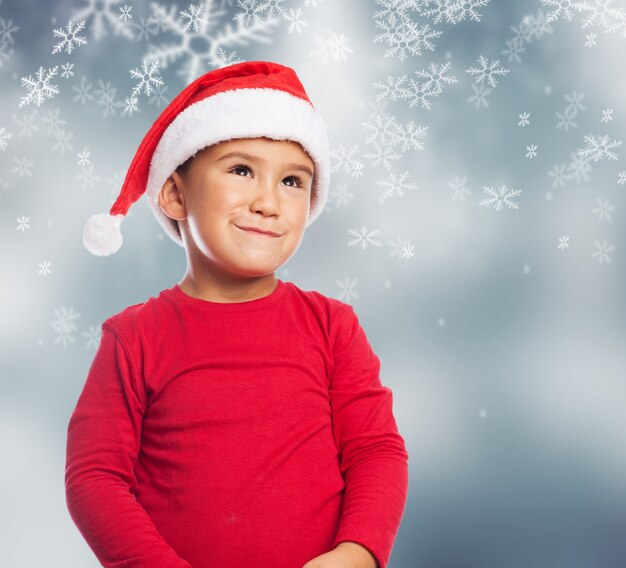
(103, 438)
(372, 453)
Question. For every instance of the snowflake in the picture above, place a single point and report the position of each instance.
(600, 12)
(460, 191)
(27, 123)
(580, 166)
(22, 167)
(7, 29)
(255, 11)
(479, 98)
(193, 17)
(599, 148)
(563, 8)
(347, 287)
(487, 70)
(363, 237)
(23, 223)
(67, 70)
(54, 120)
(531, 151)
(94, 336)
(514, 49)
(125, 13)
(454, 11)
(70, 37)
(40, 89)
(604, 209)
(402, 248)
(145, 28)
(341, 195)
(417, 92)
(159, 99)
(603, 252)
(87, 177)
(64, 325)
(383, 155)
(563, 242)
(344, 158)
(332, 47)
(501, 197)
(395, 184)
(621, 180)
(591, 40)
(523, 119)
(575, 102)
(385, 131)
(130, 106)
(103, 11)
(5, 136)
(401, 33)
(607, 115)
(559, 175)
(199, 47)
(566, 120)
(106, 93)
(44, 268)
(83, 91)
(295, 22)
(63, 143)
(147, 77)
(223, 58)
(83, 157)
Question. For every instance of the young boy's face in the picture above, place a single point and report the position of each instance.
(251, 182)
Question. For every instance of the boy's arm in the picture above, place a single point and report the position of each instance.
(372, 453)
(103, 438)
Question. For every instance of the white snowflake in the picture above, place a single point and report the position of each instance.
(600, 147)
(94, 336)
(125, 13)
(87, 177)
(621, 180)
(575, 102)
(607, 115)
(148, 77)
(145, 28)
(54, 120)
(102, 12)
(523, 119)
(560, 8)
(67, 70)
(331, 47)
(460, 191)
(363, 237)
(159, 99)
(559, 175)
(83, 157)
(63, 141)
(64, 325)
(130, 106)
(22, 223)
(395, 185)
(23, 167)
(199, 47)
(403, 35)
(5, 136)
(39, 89)
(479, 98)
(348, 292)
(193, 17)
(501, 197)
(343, 158)
(70, 38)
(602, 252)
(296, 23)
(563, 244)
(531, 151)
(27, 123)
(83, 91)
(223, 58)
(604, 209)
(591, 40)
(401, 248)
(341, 195)
(44, 267)
(580, 167)
(487, 70)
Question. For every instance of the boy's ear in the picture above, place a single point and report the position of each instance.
(171, 199)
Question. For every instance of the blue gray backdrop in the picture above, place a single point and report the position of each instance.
(475, 223)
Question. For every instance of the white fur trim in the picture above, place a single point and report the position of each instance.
(241, 113)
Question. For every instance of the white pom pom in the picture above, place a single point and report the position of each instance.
(102, 235)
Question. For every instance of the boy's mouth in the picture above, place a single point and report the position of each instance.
(257, 231)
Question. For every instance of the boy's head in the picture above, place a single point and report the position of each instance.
(259, 103)
(217, 196)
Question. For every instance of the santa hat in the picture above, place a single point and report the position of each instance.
(245, 100)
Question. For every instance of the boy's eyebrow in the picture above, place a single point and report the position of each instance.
(246, 156)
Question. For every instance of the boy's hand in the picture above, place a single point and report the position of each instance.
(344, 555)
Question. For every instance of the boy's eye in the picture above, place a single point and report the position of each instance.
(297, 181)
(240, 168)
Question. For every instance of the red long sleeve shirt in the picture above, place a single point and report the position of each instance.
(232, 435)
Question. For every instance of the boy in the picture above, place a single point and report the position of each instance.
(234, 420)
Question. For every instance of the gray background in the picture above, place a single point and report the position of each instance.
(506, 355)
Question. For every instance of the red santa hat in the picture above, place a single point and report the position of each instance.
(245, 100)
